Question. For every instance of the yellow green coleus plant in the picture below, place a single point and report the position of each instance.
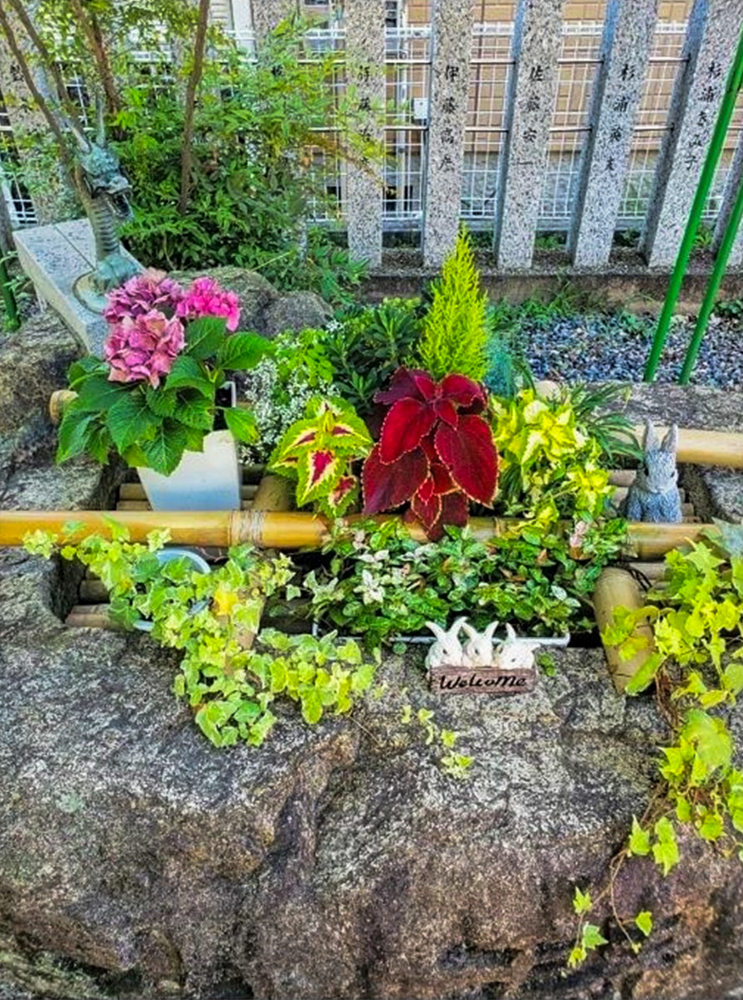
(318, 453)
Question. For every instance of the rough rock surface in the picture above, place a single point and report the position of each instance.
(263, 309)
(136, 860)
(33, 363)
(296, 311)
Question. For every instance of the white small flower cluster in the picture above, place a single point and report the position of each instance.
(276, 404)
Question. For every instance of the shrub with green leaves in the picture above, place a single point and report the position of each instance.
(696, 614)
(380, 583)
(229, 682)
(366, 345)
(231, 177)
(549, 464)
(318, 453)
(153, 426)
(281, 385)
(455, 329)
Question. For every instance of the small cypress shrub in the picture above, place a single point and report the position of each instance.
(455, 331)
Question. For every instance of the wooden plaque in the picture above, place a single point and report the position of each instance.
(481, 680)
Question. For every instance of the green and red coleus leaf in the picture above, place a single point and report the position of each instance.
(341, 495)
(318, 473)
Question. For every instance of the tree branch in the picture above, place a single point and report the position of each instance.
(49, 62)
(94, 35)
(193, 84)
(28, 78)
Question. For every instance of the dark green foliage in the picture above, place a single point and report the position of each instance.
(367, 344)
(598, 414)
(380, 583)
(255, 171)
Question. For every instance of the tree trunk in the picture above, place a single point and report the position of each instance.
(193, 85)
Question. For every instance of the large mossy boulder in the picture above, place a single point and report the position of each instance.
(339, 861)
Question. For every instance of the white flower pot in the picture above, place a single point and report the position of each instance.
(208, 480)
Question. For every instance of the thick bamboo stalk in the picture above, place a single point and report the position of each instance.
(652, 571)
(705, 447)
(57, 402)
(622, 477)
(285, 530)
(92, 616)
(93, 592)
(616, 588)
(650, 541)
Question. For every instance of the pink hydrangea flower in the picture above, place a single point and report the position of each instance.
(207, 298)
(141, 294)
(143, 347)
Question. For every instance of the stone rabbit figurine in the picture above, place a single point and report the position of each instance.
(654, 495)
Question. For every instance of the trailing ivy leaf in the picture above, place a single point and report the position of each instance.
(189, 374)
(711, 827)
(592, 937)
(74, 432)
(165, 450)
(582, 901)
(712, 738)
(729, 537)
(311, 707)
(644, 922)
(577, 957)
(242, 424)
(665, 850)
(732, 678)
(204, 336)
(639, 841)
(130, 420)
(646, 674)
(683, 809)
(242, 351)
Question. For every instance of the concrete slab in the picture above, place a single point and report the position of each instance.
(54, 257)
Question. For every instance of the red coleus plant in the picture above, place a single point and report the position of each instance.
(434, 450)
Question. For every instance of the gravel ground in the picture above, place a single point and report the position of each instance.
(594, 348)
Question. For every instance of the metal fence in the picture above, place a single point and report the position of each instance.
(408, 73)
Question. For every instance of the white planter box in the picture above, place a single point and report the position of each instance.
(208, 480)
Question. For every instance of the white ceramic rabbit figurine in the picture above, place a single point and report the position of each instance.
(447, 650)
(478, 652)
(516, 653)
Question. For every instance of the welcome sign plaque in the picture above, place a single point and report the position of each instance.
(481, 680)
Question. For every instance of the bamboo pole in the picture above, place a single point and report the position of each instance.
(286, 529)
(704, 447)
(616, 588)
(274, 493)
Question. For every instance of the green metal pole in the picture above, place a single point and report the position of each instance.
(734, 82)
(13, 320)
(718, 272)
